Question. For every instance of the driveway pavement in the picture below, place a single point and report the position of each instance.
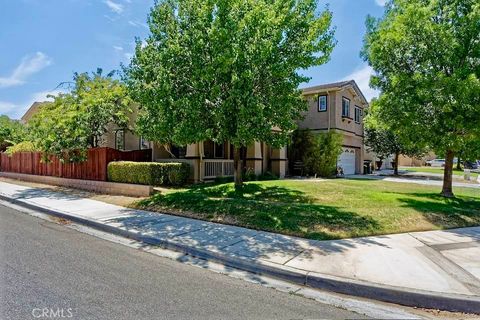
(435, 263)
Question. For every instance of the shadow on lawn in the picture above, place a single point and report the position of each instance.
(445, 212)
(269, 208)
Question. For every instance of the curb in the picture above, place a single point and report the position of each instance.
(385, 293)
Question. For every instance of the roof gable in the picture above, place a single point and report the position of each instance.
(335, 86)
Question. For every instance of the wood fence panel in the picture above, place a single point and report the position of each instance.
(94, 168)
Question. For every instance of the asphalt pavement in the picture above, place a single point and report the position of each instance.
(51, 271)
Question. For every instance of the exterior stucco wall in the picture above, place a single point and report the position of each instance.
(331, 119)
(318, 120)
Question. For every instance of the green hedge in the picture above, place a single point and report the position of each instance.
(149, 173)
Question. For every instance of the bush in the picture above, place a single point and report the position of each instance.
(25, 146)
(318, 152)
(267, 176)
(149, 173)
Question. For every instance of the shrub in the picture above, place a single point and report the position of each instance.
(149, 173)
(249, 175)
(318, 152)
(267, 176)
(25, 146)
(222, 180)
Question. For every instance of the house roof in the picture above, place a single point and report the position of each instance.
(32, 110)
(335, 86)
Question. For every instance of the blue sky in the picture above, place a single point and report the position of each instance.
(42, 42)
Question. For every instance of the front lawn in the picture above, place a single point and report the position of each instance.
(329, 209)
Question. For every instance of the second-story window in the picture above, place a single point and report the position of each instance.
(345, 107)
(322, 103)
(358, 114)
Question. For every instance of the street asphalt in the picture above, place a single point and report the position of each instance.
(50, 270)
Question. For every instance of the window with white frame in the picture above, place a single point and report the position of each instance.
(322, 103)
(358, 114)
(345, 107)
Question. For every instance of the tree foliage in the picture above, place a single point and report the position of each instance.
(11, 132)
(426, 58)
(24, 146)
(77, 120)
(385, 142)
(226, 70)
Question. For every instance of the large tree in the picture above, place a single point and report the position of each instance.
(226, 70)
(426, 58)
(77, 120)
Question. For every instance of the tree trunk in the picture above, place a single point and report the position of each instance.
(447, 190)
(459, 167)
(395, 167)
(237, 163)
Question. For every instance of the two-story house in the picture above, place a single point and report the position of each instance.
(339, 107)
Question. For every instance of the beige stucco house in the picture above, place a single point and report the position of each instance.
(115, 138)
(208, 160)
(338, 107)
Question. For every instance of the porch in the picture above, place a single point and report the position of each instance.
(210, 160)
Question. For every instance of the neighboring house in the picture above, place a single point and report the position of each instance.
(116, 138)
(338, 107)
(387, 163)
(32, 110)
(405, 161)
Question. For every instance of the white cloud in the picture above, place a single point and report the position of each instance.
(362, 78)
(27, 67)
(137, 24)
(381, 2)
(115, 7)
(118, 48)
(16, 111)
(6, 107)
(42, 95)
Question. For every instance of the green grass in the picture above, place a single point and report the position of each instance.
(328, 209)
(435, 170)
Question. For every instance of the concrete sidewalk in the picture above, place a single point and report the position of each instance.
(436, 269)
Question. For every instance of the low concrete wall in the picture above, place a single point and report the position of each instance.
(124, 189)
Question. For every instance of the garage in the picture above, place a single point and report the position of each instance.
(347, 161)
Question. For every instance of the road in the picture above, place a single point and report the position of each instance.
(51, 271)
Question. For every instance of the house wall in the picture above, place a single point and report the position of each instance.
(331, 119)
(319, 120)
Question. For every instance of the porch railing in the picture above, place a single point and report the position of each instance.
(218, 168)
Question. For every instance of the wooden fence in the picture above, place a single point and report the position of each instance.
(94, 168)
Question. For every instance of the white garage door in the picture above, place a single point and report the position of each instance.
(347, 161)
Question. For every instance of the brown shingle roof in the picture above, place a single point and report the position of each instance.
(334, 86)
